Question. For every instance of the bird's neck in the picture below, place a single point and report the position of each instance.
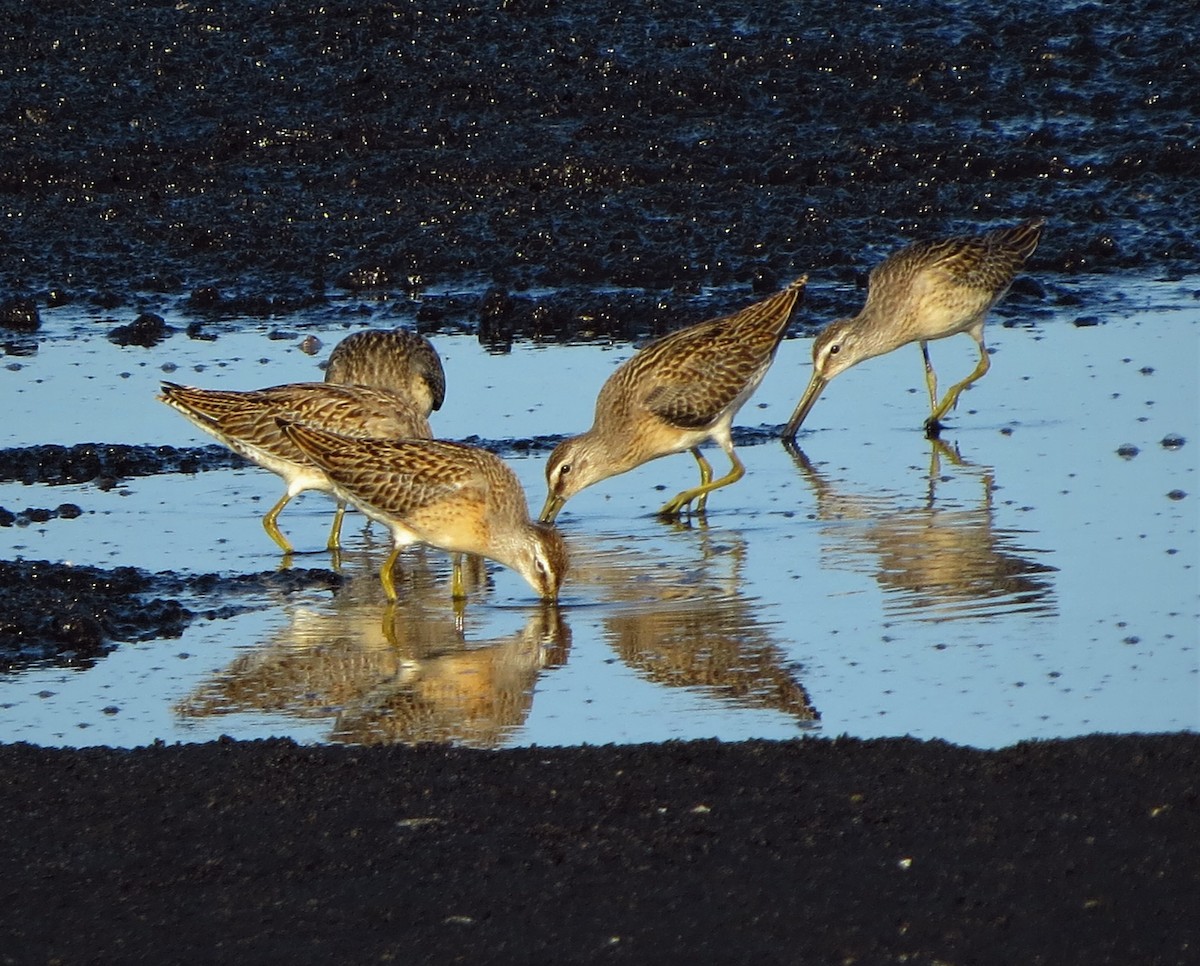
(610, 453)
(875, 335)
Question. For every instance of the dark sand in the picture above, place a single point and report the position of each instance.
(846, 851)
(586, 172)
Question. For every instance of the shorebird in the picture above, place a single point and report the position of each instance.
(455, 497)
(928, 290)
(246, 423)
(677, 392)
(391, 359)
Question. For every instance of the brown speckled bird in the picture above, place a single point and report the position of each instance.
(452, 496)
(393, 359)
(928, 290)
(671, 396)
(246, 423)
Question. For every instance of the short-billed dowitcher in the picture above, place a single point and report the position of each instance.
(671, 396)
(391, 359)
(452, 496)
(246, 423)
(928, 290)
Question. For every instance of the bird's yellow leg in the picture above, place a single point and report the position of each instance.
(385, 574)
(930, 377)
(335, 535)
(951, 399)
(272, 527)
(673, 507)
(705, 476)
(457, 590)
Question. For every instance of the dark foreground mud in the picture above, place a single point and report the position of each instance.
(798, 852)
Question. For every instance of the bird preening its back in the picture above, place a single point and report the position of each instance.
(671, 396)
(927, 290)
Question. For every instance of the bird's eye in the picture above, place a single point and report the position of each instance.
(564, 469)
(835, 349)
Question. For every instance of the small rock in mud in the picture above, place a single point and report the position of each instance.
(147, 330)
(1127, 451)
(195, 332)
(1177, 495)
(1172, 441)
(66, 511)
(20, 314)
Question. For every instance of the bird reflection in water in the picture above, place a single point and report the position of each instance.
(935, 559)
(408, 676)
(692, 626)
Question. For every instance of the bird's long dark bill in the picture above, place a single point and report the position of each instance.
(550, 510)
(815, 385)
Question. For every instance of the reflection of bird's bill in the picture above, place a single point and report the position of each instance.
(815, 386)
(940, 448)
(545, 627)
(556, 642)
(471, 693)
(550, 509)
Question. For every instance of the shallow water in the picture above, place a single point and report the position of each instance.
(1023, 580)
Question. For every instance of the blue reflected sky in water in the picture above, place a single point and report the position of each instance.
(836, 578)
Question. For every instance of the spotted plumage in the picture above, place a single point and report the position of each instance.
(928, 290)
(391, 359)
(458, 498)
(246, 422)
(674, 394)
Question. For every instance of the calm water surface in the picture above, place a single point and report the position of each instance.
(1021, 580)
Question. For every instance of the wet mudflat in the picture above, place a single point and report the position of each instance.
(1030, 575)
(537, 189)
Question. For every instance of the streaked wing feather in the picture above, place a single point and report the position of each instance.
(699, 371)
(397, 477)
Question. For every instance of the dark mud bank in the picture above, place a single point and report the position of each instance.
(75, 614)
(803, 851)
(249, 160)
